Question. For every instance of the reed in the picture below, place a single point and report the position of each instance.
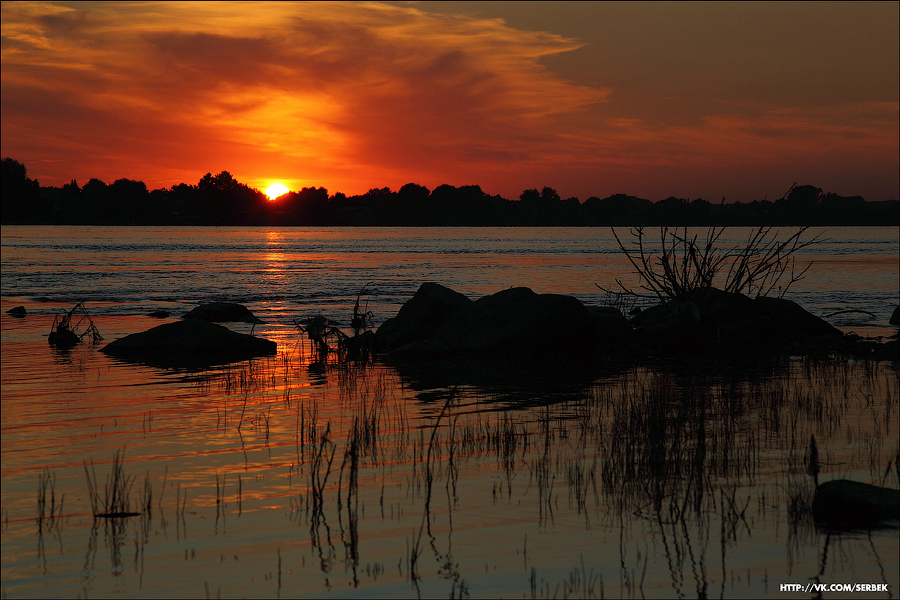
(318, 480)
(239, 489)
(116, 499)
(48, 511)
(220, 496)
(147, 496)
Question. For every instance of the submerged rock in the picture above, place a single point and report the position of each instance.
(18, 311)
(430, 307)
(158, 314)
(63, 337)
(222, 312)
(189, 342)
(845, 504)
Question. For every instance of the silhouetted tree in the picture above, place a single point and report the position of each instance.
(530, 196)
(464, 205)
(94, 203)
(183, 204)
(225, 201)
(798, 205)
(309, 206)
(842, 209)
(549, 195)
(615, 210)
(413, 192)
(20, 195)
(541, 208)
(671, 211)
(129, 202)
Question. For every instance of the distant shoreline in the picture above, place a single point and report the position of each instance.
(221, 200)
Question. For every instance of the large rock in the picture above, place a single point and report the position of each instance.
(713, 319)
(792, 320)
(845, 504)
(895, 317)
(189, 342)
(720, 307)
(425, 349)
(519, 321)
(701, 322)
(430, 307)
(609, 325)
(755, 333)
(222, 312)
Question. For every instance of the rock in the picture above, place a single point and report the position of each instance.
(675, 327)
(895, 317)
(673, 336)
(517, 321)
(222, 312)
(430, 307)
(422, 349)
(18, 311)
(719, 307)
(792, 320)
(359, 346)
(713, 319)
(845, 504)
(736, 322)
(189, 342)
(686, 312)
(654, 315)
(749, 333)
(609, 325)
(63, 337)
(158, 314)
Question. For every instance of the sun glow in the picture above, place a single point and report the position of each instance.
(275, 190)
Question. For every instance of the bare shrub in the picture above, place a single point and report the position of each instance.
(686, 265)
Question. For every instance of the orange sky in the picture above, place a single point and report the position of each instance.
(691, 100)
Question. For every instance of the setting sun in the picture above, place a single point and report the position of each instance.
(275, 190)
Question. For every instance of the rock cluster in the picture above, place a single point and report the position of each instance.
(438, 322)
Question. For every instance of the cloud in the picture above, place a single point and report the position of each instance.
(344, 92)
(359, 95)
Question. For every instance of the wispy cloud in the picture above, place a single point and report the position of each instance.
(351, 92)
(355, 95)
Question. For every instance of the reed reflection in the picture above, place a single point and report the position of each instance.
(653, 480)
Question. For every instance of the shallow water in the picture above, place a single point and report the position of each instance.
(286, 477)
(283, 272)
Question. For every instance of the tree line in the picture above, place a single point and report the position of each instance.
(222, 200)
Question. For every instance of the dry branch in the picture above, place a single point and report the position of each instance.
(685, 266)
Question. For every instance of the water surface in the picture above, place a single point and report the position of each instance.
(284, 476)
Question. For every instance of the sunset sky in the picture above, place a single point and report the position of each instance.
(692, 100)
